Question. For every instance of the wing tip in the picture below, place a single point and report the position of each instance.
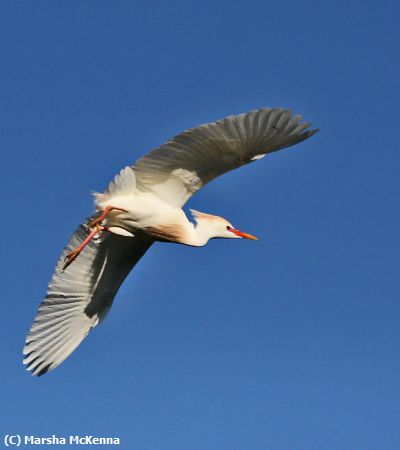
(310, 133)
(34, 363)
(43, 371)
(303, 136)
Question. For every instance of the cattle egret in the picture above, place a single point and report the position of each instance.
(143, 204)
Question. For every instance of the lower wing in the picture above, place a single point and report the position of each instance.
(79, 298)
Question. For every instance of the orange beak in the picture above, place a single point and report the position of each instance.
(243, 234)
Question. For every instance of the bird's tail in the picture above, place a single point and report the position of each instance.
(123, 184)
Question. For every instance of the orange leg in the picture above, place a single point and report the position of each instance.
(103, 215)
(74, 254)
(94, 228)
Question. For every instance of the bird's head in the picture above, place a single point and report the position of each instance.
(218, 227)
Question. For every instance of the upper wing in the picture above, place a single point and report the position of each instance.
(79, 297)
(176, 170)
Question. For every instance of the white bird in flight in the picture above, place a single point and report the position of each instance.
(143, 205)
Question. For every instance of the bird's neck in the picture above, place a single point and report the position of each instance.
(199, 234)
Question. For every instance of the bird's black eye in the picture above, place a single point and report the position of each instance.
(228, 228)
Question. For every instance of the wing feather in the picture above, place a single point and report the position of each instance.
(176, 170)
(79, 297)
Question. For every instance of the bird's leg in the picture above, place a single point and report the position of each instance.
(103, 215)
(94, 228)
(74, 254)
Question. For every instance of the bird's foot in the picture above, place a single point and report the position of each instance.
(70, 258)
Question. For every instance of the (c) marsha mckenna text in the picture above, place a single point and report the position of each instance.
(17, 440)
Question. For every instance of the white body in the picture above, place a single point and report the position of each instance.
(148, 214)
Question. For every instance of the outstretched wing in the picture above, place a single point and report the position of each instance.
(79, 297)
(176, 170)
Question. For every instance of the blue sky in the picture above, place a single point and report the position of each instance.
(288, 343)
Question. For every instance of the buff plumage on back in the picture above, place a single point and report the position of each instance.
(179, 168)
